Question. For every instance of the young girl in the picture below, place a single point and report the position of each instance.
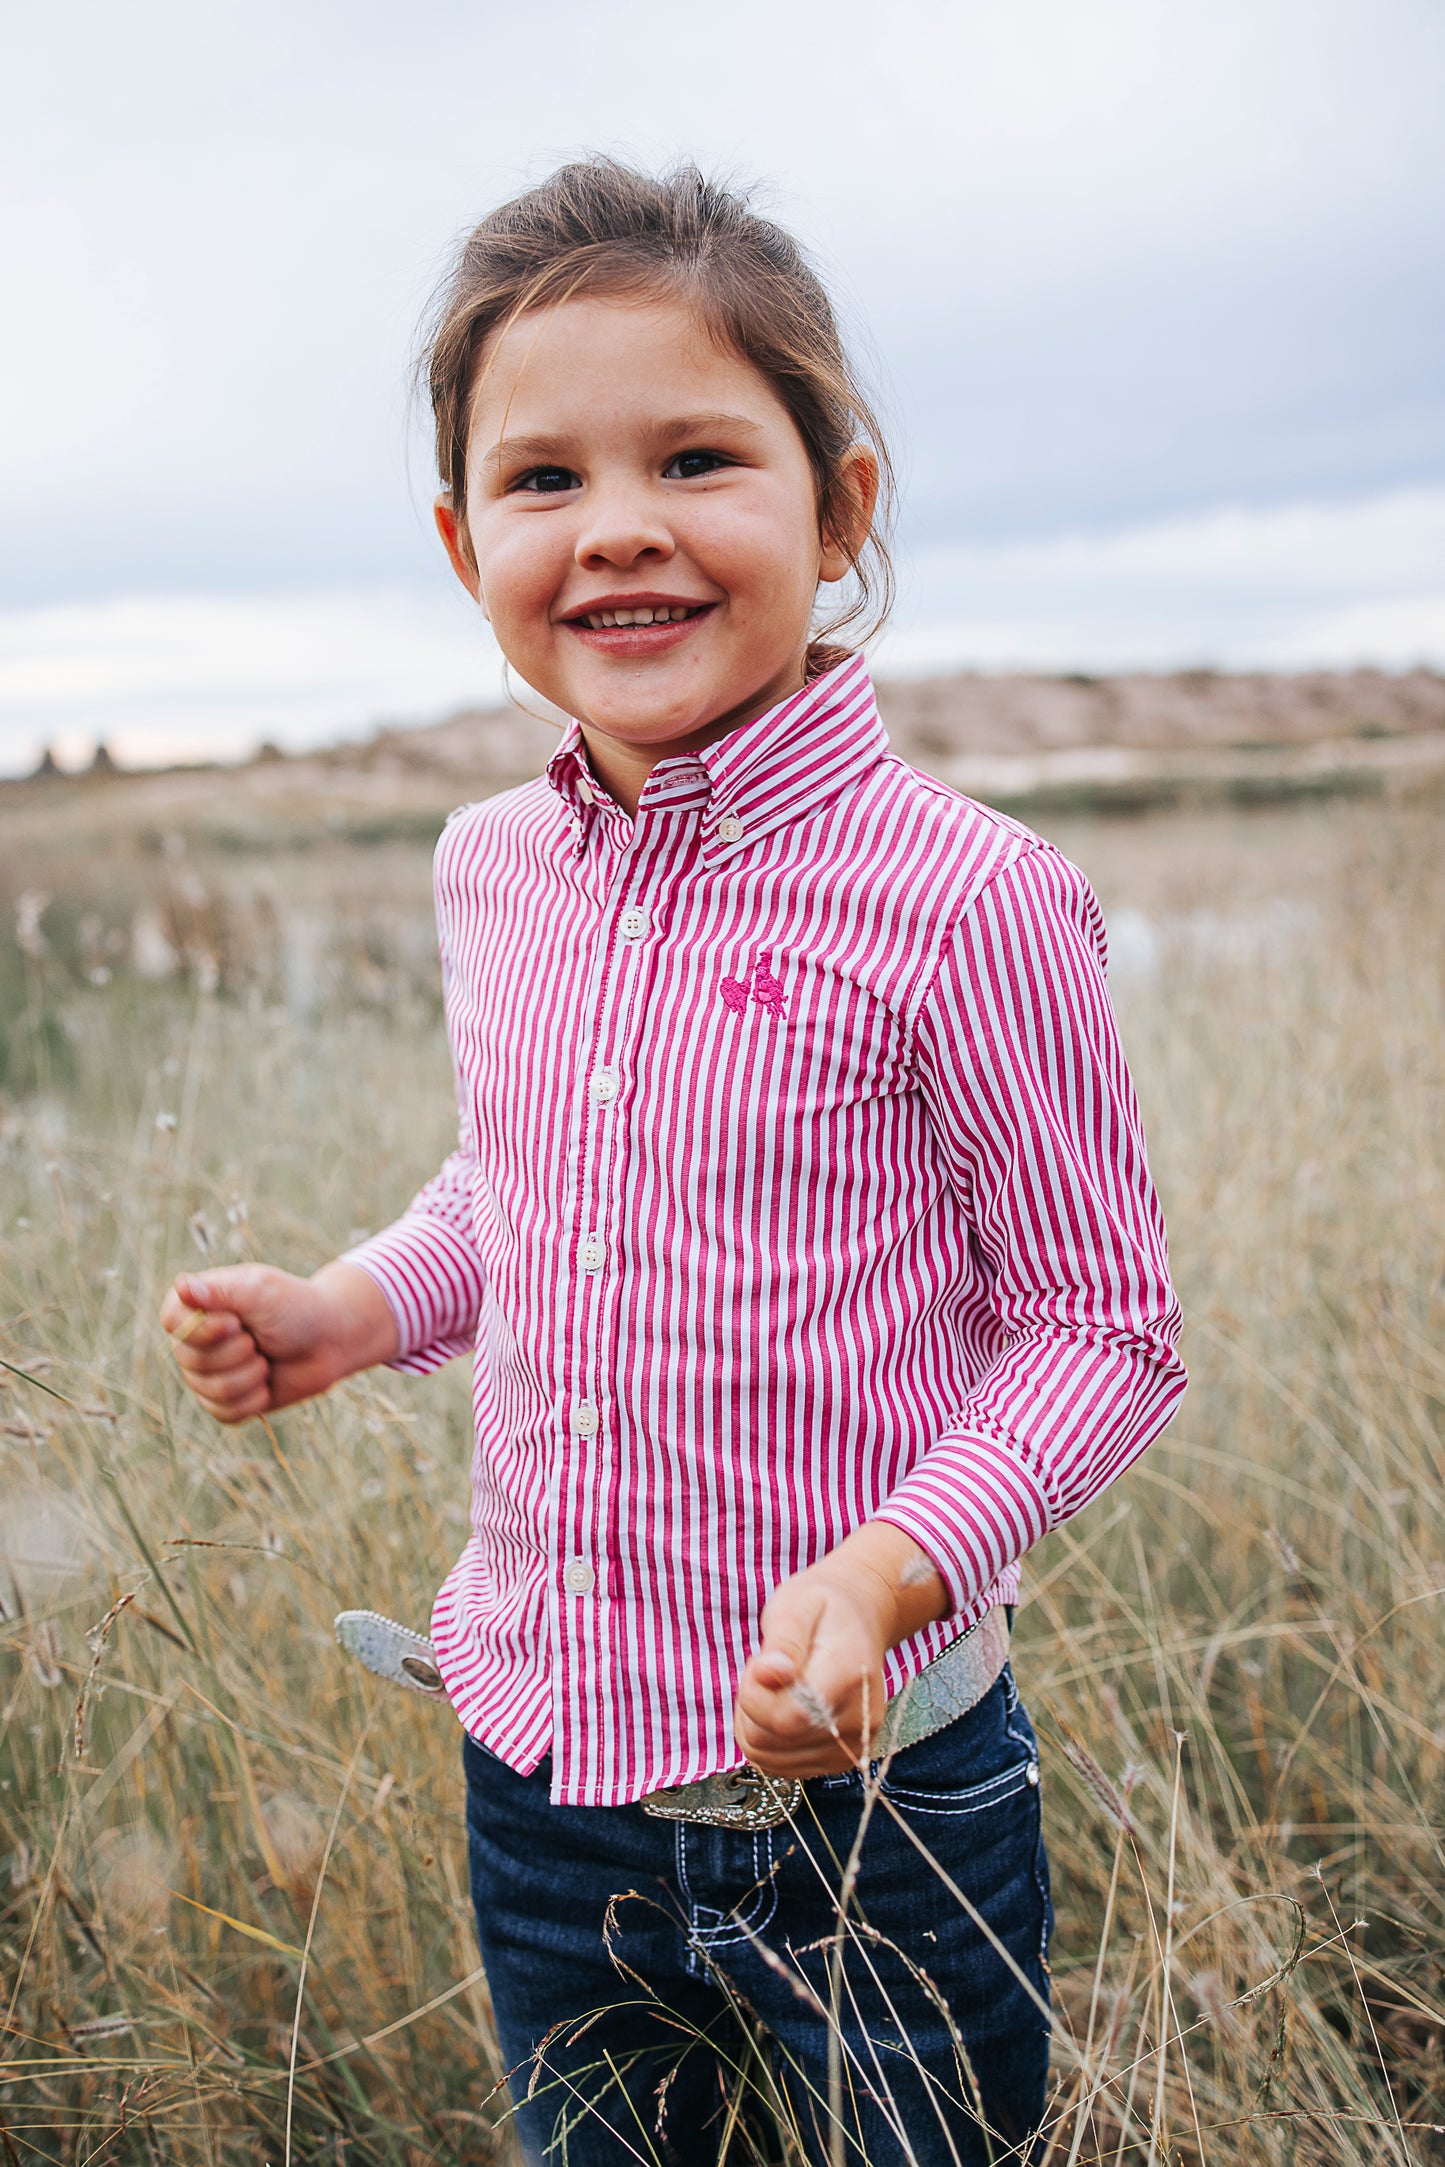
(799, 1224)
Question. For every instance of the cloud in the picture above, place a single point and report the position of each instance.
(1120, 262)
(1156, 295)
(190, 677)
(1287, 587)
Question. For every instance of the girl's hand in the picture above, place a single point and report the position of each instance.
(820, 1666)
(249, 1338)
(821, 1658)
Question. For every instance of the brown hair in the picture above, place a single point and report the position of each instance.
(598, 226)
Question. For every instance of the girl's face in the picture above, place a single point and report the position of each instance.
(620, 467)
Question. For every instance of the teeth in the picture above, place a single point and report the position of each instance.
(607, 618)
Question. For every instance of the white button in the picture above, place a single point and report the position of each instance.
(585, 1419)
(634, 924)
(1031, 1773)
(730, 829)
(578, 1577)
(604, 1084)
(594, 1256)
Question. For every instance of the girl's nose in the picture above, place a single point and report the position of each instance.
(622, 525)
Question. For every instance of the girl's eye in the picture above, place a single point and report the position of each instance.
(688, 465)
(547, 481)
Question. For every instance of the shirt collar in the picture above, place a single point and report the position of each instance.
(761, 775)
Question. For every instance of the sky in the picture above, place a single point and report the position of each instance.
(1152, 291)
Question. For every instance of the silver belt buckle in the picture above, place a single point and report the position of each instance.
(393, 1651)
(741, 1798)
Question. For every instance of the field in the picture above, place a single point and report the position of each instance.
(233, 1912)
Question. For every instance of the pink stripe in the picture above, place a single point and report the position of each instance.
(858, 1225)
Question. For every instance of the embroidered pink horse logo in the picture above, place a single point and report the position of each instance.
(760, 984)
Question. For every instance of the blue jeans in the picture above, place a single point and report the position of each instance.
(712, 1955)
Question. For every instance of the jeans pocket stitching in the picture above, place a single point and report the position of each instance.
(1046, 1904)
(735, 1927)
(978, 1798)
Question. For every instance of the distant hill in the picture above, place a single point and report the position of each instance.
(1021, 741)
(1073, 741)
(951, 717)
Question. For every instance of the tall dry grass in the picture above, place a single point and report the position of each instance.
(234, 1924)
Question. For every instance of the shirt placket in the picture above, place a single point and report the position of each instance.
(586, 1518)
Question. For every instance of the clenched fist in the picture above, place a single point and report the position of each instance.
(249, 1338)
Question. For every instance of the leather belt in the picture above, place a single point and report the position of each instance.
(741, 1798)
(745, 1798)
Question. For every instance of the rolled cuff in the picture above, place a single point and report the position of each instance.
(973, 1508)
(433, 1284)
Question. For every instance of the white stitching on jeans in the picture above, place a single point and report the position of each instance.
(996, 1791)
(735, 1928)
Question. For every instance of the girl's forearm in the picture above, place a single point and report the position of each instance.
(885, 1568)
(364, 1330)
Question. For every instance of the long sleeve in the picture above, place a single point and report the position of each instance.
(1019, 1060)
(427, 1266)
(426, 1262)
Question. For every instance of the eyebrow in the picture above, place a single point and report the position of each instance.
(539, 448)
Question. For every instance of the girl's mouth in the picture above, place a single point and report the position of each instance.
(640, 628)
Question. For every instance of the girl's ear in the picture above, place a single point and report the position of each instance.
(855, 500)
(458, 548)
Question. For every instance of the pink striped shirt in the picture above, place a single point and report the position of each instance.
(800, 1182)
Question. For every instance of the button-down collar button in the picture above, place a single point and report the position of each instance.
(730, 829)
(586, 1421)
(578, 1577)
(634, 923)
(593, 1254)
(604, 1084)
